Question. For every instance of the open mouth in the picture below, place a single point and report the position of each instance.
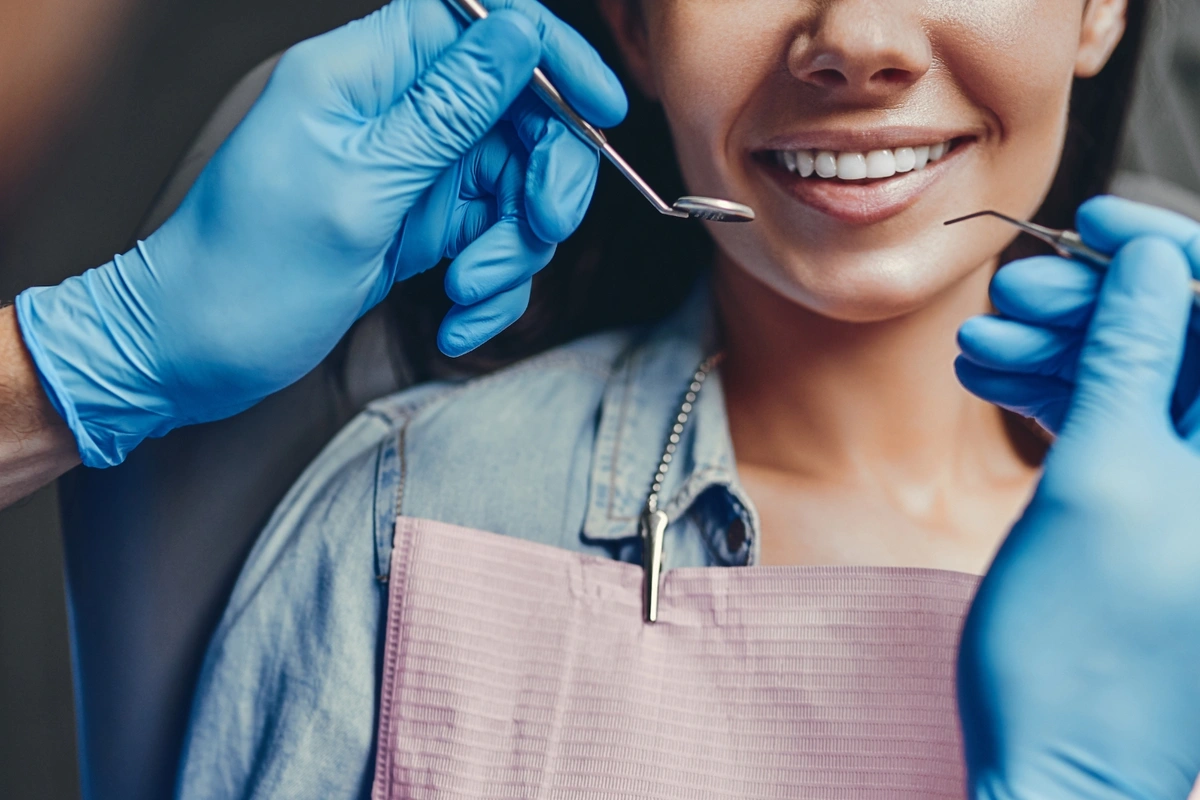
(861, 187)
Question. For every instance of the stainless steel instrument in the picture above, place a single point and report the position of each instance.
(1067, 244)
(708, 208)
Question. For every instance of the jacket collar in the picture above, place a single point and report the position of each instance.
(639, 408)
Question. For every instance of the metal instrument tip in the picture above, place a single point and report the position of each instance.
(988, 213)
(1066, 243)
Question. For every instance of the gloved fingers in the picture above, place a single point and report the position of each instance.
(562, 168)
(562, 171)
(472, 218)
(492, 188)
(1107, 223)
(560, 183)
(374, 60)
(1044, 398)
(1047, 290)
(454, 103)
(505, 256)
(495, 168)
(1131, 356)
(508, 253)
(573, 65)
(1010, 346)
(556, 178)
(467, 327)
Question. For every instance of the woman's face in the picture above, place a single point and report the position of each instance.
(767, 98)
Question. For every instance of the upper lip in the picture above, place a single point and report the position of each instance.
(863, 140)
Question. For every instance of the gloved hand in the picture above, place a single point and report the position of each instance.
(1024, 358)
(1077, 669)
(374, 150)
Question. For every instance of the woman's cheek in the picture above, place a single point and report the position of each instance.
(1012, 58)
(1015, 62)
(708, 71)
(1006, 63)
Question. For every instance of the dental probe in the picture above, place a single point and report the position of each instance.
(1067, 244)
(708, 208)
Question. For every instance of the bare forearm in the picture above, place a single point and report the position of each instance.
(35, 445)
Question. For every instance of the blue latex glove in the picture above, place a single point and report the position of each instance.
(1079, 659)
(1024, 358)
(374, 150)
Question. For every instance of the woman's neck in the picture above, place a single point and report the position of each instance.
(858, 404)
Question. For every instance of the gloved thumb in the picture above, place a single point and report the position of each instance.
(1106, 223)
(455, 102)
(1131, 357)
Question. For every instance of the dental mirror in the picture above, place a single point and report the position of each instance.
(706, 208)
(715, 210)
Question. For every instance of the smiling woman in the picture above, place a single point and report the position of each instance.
(781, 394)
(801, 110)
(588, 286)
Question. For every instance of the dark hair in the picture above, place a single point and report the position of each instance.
(629, 265)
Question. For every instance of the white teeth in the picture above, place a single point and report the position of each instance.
(848, 166)
(806, 162)
(826, 164)
(922, 154)
(881, 164)
(852, 166)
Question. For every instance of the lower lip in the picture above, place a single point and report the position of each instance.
(862, 202)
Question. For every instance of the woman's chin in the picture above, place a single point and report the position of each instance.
(863, 310)
(876, 296)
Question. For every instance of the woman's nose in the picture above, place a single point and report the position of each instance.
(862, 50)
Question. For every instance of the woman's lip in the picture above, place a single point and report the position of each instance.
(861, 202)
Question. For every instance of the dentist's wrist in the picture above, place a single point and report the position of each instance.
(92, 370)
(35, 444)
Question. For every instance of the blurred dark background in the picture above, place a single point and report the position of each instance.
(100, 99)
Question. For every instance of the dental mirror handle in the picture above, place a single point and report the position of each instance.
(549, 93)
(590, 133)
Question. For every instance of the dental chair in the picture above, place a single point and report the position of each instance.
(154, 546)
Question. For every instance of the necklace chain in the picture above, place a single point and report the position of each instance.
(654, 521)
(681, 419)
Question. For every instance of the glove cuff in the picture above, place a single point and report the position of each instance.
(83, 362)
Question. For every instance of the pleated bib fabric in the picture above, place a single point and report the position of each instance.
(517, 670)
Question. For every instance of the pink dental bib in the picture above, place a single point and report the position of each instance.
(518, 670)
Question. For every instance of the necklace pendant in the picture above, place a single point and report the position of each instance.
(654, 527)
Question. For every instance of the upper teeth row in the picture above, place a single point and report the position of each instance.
(860, 166)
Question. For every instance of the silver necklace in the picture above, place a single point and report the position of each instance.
(654, 520)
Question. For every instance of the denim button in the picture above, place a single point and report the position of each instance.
(735, 535)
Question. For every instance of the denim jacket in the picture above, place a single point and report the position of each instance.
(559, 449)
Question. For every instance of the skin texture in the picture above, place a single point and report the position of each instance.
(844, 410)
(35, 446)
